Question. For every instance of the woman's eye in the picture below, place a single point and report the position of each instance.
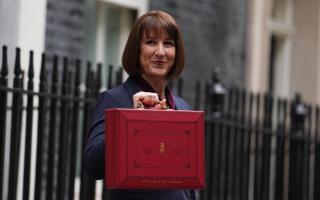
(150, 42)
(169, 43)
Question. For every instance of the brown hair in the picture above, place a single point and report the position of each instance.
(157, 23)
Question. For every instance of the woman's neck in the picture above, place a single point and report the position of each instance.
(158, 85)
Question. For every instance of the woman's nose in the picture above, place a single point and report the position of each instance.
(160, 50)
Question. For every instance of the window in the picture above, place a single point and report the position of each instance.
(109, 24)
(113, 27)
(280, 47)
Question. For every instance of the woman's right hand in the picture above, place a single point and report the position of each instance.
(145, 99)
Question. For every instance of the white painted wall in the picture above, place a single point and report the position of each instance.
(318, 60)
(297, 66)
(257, 45)
(22, 24)
(31, 30)
(305, 51)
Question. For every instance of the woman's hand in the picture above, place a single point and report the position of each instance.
(148, 100)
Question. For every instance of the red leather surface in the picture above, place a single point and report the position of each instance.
(154, 149)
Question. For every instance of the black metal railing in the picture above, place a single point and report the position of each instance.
(57, 125)
(260, 147)
(257, 146)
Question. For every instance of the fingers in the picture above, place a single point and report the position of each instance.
(148, 100)
(141, 99)
(163, 104)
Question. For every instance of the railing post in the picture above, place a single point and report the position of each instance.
(15, 128)
(97, 80)
(243, 146)
(109, 81)
(74, 130)
(28, 140)
(207, 97)
(257, 148)
(298, 112)
(266, 146)
(3, 112)
(87, 187)
(52, 131)
(119, 76)
(197, 97)
(249, 123)
(41, 130)
(316, 185)
(280, 149)
(63, 134)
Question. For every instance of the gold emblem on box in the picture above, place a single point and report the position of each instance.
(162, 148)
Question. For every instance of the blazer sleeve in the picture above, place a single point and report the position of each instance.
(93, 158)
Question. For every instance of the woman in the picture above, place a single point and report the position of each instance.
(153, 54)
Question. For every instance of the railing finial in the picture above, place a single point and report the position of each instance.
(98, 76)
(217, 93)
(17, 64)
(4, 66)
(298, 113)
(43, 68)
(31, 70)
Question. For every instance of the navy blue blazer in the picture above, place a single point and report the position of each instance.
(93, 160)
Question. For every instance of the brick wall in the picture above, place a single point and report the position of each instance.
(214, 36)
(65, 27)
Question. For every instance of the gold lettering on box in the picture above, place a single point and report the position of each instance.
(162, 148)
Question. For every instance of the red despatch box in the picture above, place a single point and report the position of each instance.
(154, 149)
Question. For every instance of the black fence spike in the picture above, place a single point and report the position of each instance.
(91, 79)
(119, 76)
(88, 73)
(77, 73)
(31, 70)
(98, 76)
(317, 129)
(17, 64)
(55, 69)
(4, 66)
(207, 103)
(28, 129)
(197, 96)
(65, 70)
(110, 71)
(43, 68)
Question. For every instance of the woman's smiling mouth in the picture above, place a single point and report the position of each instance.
(157, 62)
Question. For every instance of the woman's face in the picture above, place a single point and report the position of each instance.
(157, 56)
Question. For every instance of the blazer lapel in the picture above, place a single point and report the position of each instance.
(132, 87)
